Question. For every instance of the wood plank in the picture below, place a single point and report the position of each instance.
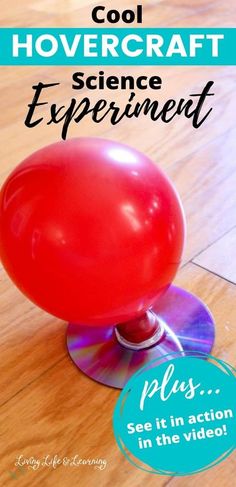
(219, 296)
(223, 475)
(206, 182)
(31, 341)
(218, 258)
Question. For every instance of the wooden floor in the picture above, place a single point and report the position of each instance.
(47, 406)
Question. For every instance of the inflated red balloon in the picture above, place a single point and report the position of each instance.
(90, 230)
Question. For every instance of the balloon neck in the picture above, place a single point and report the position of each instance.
(140, 333)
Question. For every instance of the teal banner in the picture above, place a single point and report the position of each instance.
(117, 46)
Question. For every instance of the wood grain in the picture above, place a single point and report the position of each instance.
(47, 406)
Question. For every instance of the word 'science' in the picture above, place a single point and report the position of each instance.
(192, 107)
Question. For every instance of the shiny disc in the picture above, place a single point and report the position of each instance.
(188, 327)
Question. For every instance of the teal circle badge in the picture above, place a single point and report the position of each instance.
(178, 416)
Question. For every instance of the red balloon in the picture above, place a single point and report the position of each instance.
(90, 230)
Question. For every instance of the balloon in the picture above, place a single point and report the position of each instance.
(90, 230)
